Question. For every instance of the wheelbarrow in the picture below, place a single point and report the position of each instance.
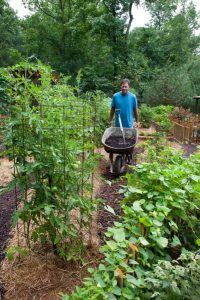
(124, 152)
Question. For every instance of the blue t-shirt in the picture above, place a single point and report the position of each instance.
(126, 104)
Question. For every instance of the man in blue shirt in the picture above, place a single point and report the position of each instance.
(125, 104)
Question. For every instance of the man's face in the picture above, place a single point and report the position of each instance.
(124, 88)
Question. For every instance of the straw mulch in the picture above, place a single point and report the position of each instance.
(44, 277)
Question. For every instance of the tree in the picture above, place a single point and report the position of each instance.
(161, 11)
(10, 35)
(61, 27)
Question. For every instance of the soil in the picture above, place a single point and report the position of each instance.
(189, 149)
(118, 142)
(111, 197)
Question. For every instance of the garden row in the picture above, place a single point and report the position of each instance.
(160, 221)
(51, 133)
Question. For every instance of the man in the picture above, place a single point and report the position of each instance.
(125, 104)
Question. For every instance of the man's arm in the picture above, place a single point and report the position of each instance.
(112, 112)
(136, 115)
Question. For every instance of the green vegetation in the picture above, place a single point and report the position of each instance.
(160, 217)
(161, 59)
(158, 114)
(51, 139)
(58, 68)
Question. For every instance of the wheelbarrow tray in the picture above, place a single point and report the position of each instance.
(129, 133)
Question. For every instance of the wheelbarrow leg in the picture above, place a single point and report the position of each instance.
(111, 162)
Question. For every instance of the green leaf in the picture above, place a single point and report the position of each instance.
(112, 245)
(195, 178)
(175, 241)
(179, 191)
(145, 221)
(163, 242)
(143, 241)
(197, 242)
(157, 223)
(132, 280)
(57, 239)
(110, 209)
(149, 207)
(10, 254)
(90, 270)
(173, 225)
(119, 234)
(99, 280)
(116, 291)
(136, 191)
(137, 206)
(127, 293)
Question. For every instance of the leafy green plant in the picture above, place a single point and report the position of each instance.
(12, 251)
(51, 138)
(161, 205)
(178, 279)
(146, 115)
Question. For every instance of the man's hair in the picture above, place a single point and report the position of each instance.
(126, 81)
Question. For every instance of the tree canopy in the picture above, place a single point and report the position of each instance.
(97, 38)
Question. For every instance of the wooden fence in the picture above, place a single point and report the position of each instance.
(189, 132)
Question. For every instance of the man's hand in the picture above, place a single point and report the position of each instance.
(136, 124)
(111, 123)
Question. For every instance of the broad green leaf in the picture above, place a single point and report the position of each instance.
(112, 245)
(136, 191)
(157, 223)
(195, 178)
(127, 293)
(145, 221)
(137, 206)
(133, 280)
(136, 230)
(163, 242)
(149, 207)
(119, 234)
(99, 280)
(143, 241)
(116, 291)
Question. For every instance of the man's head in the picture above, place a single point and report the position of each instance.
(125, 86)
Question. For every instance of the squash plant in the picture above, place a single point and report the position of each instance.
(51, 138)
(161, 208)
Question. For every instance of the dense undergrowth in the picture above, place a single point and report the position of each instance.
(160, 221)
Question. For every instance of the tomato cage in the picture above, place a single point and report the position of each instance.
(53, 150)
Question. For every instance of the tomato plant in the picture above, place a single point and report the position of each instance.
(51, 137)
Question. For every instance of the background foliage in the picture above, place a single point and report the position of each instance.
(161, 59)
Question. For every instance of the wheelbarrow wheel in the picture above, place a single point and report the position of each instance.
(118, 164)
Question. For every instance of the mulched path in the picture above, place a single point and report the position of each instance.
(189, 149)
(110, 195)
